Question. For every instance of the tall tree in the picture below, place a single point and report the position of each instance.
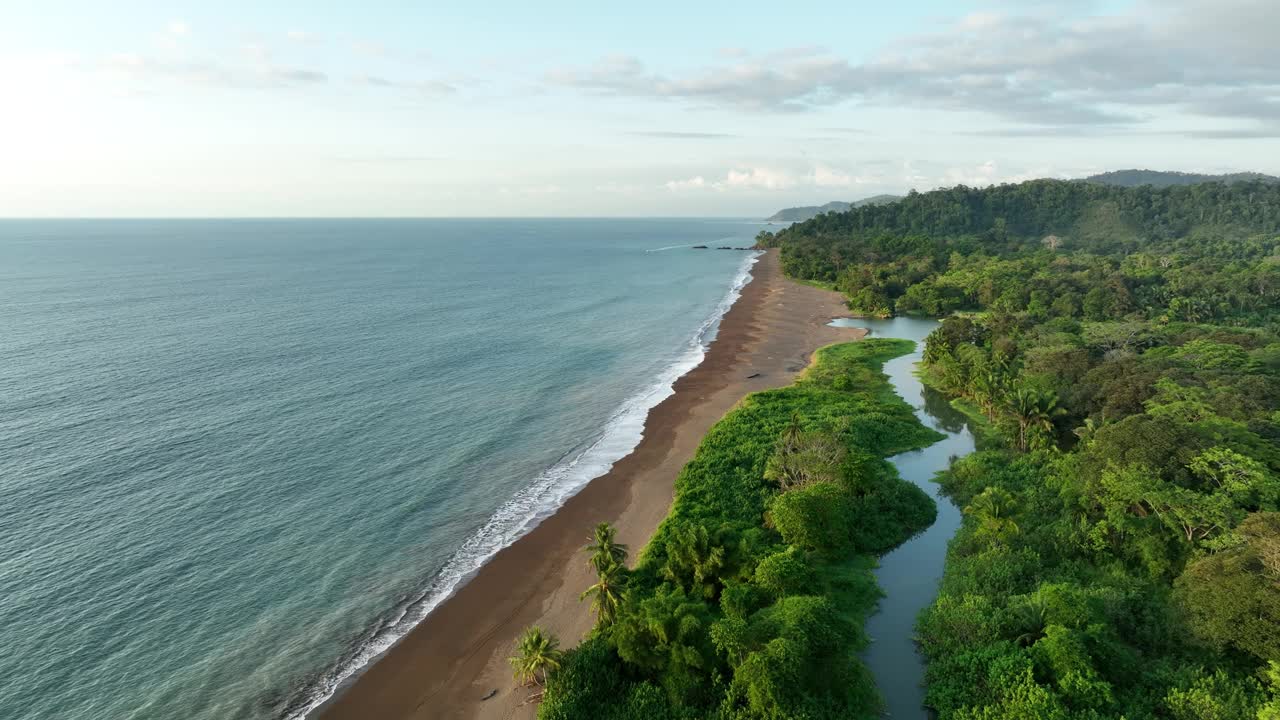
(1034, 411)
(694, 560)
(994, 508)
(606, 594)
(806, 458)
(537, 653)
(1232, 598)
(604, 549)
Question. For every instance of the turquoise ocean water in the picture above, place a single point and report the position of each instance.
(239, 458)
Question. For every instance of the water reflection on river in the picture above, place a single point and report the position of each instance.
(909, 575)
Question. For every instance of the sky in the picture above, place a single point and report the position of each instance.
(299, 109)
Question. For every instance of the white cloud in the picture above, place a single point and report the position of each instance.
(693, 183)
(531, 190)
(984, 174)
(179, 28)
(252, 66)
(136, 71)
(823, 179)
(614, 188)
(256, 53)
(762, 178)
(980, 176)
(1048, 68)
(426, 88)
(740, 179)
(823, 176)
(372, 49)
(912, 177)
(979, 21)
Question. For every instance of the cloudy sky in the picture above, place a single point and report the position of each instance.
(426, 108)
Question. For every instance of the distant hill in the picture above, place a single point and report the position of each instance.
(1117, 178)
(798, 214)
(1156, 178)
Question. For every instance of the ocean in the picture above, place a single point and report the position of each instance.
(239, 458)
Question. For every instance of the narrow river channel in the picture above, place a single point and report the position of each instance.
(909, 575)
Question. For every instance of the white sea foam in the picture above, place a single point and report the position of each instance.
(529, 507)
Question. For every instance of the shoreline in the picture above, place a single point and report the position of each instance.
(624, 424)
(457, 655)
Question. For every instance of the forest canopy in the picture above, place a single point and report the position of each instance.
(1120, 550)
(1054, 249)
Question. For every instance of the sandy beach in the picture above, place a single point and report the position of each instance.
(457, 657)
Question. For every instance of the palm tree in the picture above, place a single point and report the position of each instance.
(993, 508)
(604, 551)
(1034, 411)
(606, 595)
(694, 560)
(1086, 432)
(791, 435)
(537, 652)
(1032, 618)
(986, 387)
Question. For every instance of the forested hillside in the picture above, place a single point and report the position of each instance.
(1159, 178)
(1120, 554)
(1053, 249)
(796, 214)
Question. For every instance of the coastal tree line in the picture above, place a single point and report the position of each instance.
(1053, 249)
(1119, 349)
(1118, 555)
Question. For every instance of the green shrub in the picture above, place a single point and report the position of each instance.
(785, 573)
(814, 518)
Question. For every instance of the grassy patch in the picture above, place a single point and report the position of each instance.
(818, 284)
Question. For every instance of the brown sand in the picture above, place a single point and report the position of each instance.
(458, 654)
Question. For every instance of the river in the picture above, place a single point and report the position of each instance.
(910, 574)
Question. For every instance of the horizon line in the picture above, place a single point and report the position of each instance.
(84, 218)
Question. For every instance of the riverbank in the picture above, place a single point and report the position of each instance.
(457, 656)
(909, 575)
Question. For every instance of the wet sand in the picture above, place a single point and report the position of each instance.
(458, 655)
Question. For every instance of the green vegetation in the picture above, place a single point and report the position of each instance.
(537, 654)
(604, 549)
(1053, 249)
(1120, 550)
(1156, 178)
(1112, 560)
(750, 599)
(609, 559)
